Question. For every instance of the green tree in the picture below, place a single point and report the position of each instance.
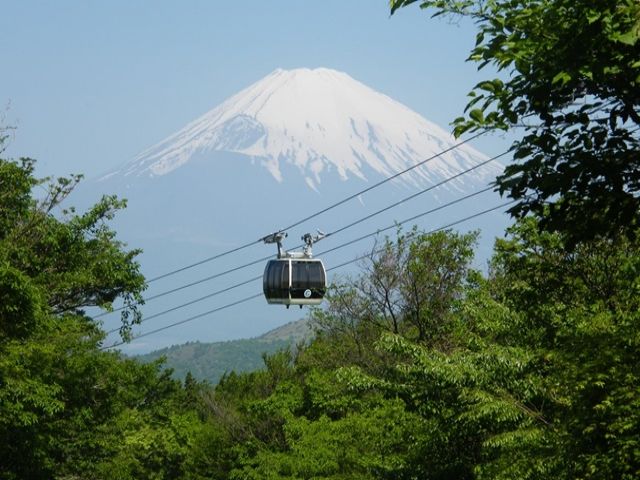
(76, 262)
(577, 317)
(571, 83)
(68, 409)
(410, 286)
(296, 420)
(412, 289)
(541, 381)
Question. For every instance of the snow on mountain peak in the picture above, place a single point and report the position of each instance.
(317, 120)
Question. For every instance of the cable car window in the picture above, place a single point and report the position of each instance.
(316, 276)
(307, 280)
(276, 279)
(268, 279)
(300, 274)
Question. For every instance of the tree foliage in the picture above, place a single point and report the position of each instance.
(571, 84)
(68, 409)
(541, 382)
(410, 286)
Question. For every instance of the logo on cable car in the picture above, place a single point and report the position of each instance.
(307, 293)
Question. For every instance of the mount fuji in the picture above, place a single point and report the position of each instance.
(318, 121)
(281, 149)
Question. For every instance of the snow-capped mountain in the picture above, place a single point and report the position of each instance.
(318, 121)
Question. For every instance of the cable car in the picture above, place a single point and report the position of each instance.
(294, 278)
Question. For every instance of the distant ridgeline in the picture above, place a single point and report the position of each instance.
(210, 361)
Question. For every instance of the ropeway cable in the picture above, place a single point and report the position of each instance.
(252, 297)
(338, 247)
(191, 284)
(263, 259)
(192, 302)
(201, 262)
(421, 192)
(382, 182)
(326, 209)
(195, 317)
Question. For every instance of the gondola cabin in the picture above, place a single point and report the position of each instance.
(294, 281)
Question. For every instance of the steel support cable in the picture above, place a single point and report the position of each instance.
(406, 220)
(452, 224)
(264, 259)
(195, 317)
(382, 182)
(252, 297)
(330, 250)
(192, 302)
(421, 192)
(201, 262)
(187, 285)
(326, 209)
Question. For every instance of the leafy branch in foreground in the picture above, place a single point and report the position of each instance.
(571, 83)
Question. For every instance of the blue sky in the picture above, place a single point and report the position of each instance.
(89, 84)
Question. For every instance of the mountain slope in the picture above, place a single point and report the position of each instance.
(209, 361)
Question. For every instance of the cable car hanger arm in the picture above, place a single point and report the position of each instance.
(307, 251)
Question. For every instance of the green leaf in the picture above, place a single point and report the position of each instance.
(396, 4)
(629, 38)
(593, 16)
(562, 77)
(477, 115)
(487, 85)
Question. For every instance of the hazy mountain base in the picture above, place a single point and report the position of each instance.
(210, 361)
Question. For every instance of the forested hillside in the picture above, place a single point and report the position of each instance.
(210, 361)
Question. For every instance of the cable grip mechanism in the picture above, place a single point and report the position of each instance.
(307, 251)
